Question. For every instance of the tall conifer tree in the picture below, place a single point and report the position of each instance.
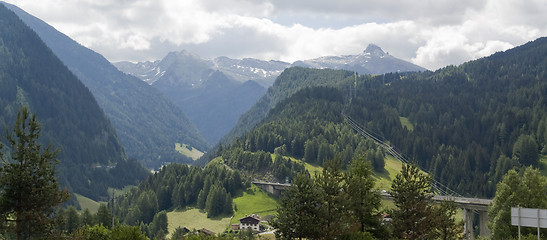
(29, 191)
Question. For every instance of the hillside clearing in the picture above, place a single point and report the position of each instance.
(188, 151)
(254, 201)
(391, 169)
(88, 203)
(406, 123)
(194, 218)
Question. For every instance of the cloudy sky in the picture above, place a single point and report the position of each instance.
(430, 33)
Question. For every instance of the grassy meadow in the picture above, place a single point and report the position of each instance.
(191, 153)
(193, 218)
(88, 203)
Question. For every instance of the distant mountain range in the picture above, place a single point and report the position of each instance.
(372, 61)
(213, 100)
(215, 93)
(147, 123)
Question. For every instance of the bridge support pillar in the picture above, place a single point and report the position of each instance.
(483, 220)
(468, 215)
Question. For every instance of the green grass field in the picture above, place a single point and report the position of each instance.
(406, 123)
(384, 179)
(191, 153)
(194, 218)
(254, 201)
(88, 203)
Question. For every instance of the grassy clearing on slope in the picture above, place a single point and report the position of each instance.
(543, 164)
(193, 218)
(406, 123)
(88, 203)
(391, 169)
(253, 201)
(188, 151)
(312, 169)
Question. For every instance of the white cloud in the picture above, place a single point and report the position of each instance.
(431, 33)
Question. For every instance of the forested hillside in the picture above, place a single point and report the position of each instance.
(468, 124)
(148, 123)
(472, 123)
(307, 126)
(31, 75)
(288, 83)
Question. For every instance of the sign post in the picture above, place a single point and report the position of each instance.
(529, 217)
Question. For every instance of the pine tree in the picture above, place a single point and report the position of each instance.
(363, 199)
(298, 211)
(72, 219)
(87, 218)
(104, 216)
(411, 191)
(333, 199)
(29, 191)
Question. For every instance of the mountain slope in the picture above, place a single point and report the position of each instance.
(31, 75)
(470, 124)
(372, 61)
(212, 100)
(147, 123)
(289, 82)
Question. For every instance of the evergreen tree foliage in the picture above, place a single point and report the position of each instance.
(446, 226)
(298, 211)
(72, 219)
(158, 226)
(333, 201)
(308, 125)
(525, 150)
(411, 192)
(334, 205)
(104, 216)
(527, 190)
(177, 186)
(29, 191)
(363, 199)
(87, 218)
(466, 121)
(415, 216)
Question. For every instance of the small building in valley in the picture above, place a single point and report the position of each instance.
(250, 222)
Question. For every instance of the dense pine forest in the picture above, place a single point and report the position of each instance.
(469, 124)
(472, 123)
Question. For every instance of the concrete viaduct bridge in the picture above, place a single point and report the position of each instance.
(470, 206)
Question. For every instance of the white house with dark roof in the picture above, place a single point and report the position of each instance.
(251, 221)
